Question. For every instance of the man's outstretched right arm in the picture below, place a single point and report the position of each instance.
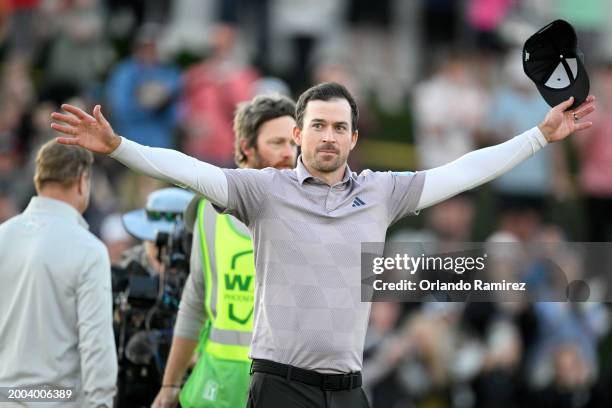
(174, 167)
(96, 134)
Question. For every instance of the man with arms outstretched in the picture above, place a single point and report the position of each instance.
(216, 310)
(308, 225)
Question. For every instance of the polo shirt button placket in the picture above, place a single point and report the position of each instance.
(329, 200)
(333, 196)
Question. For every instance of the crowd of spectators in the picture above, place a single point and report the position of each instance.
(434, 79)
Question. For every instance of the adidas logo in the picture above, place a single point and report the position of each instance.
(358, 202)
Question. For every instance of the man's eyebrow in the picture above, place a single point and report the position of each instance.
(342, 122)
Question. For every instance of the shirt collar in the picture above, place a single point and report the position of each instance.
(303, 174)
(38, 203)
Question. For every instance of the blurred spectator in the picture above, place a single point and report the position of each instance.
(440, 20)
(9, 163)
(451, 220)
(8, 207)
(518, 223)
(566, 331)
(301, 30)
(554, 333)
(141, 12)
(595, 152)
(570, 386)
(383, 38)
(437, 358)
(496, 383)
(449, 108)
(340, 71)
(14, 151)
(602, 392)
(143, 93)
(210, 94)
(189, 26)
(22, 33)
(384, 348)
(17, 86)
(484, 17)
(79, 53)
(552, 264)
(519, 220)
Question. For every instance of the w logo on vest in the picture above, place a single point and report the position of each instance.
(231, 281)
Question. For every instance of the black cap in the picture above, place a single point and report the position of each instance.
(552, 60)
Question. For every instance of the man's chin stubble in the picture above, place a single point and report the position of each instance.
(327, 168)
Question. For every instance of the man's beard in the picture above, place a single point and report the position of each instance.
(261, 163)
(328, 166)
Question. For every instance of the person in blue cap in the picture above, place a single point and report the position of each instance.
(163, 212)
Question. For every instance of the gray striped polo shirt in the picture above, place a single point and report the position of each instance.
(307, 241)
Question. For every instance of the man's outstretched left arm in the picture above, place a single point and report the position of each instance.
(483, 165)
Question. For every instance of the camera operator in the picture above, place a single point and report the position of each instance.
(163, 214)
(148, 283)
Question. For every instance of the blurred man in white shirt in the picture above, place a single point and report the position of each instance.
(55, 292)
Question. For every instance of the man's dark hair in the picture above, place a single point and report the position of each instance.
(325, 92)
(251, 115)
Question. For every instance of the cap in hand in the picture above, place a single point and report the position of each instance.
(552, 59)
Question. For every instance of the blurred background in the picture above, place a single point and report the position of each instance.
(434, 79)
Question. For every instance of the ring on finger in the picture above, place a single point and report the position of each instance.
(576, 118)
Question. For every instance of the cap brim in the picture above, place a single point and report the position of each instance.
(138, 225)
(579, 90)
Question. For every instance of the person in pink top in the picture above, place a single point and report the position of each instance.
(211, 91)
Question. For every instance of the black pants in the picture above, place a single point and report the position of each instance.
(272, 391)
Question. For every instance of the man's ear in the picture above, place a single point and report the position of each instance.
(354, 138)
(82, 183)
(297, 135)
(246, 150)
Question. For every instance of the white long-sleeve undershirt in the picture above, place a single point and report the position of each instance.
(467, 172)
(174, 167)
(478, 167)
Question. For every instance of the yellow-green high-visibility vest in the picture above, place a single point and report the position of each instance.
(221, 375)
